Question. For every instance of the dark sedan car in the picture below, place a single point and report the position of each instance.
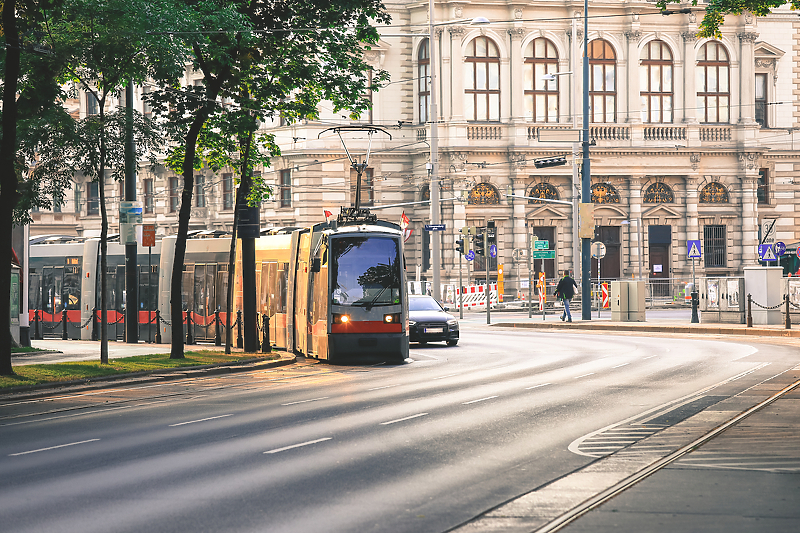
(429, 322)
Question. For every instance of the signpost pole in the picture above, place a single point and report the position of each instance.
(695, 297)
(487, 256)
(530, 280)
(461, 287)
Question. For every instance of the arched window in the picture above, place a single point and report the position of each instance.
(482, 80)
(602, 81)
(484, 194)
(603, 193)
(713, 84)
(541, 96)
(656, 82)
(659, 193)
(424, 81)
(543, 190)
(714, 193)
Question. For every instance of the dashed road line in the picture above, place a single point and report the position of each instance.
(306, 401)
(308, 443)
(480, 400)
(403, 419)
(201, 420)
(52, 447)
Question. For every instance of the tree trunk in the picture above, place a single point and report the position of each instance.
(8, 178)
(101, 187)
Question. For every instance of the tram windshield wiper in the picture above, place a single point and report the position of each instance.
(371, 303)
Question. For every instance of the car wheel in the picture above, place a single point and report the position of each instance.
(452, 343)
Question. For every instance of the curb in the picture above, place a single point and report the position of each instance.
(619, 326)
(146, 376)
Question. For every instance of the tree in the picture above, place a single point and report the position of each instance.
(105, 45)
(715, 11)
(303, 52)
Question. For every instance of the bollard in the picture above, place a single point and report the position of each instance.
(239, 340)
(36, 334)
(749, 311)
(64, 325)
(189, 338)
(788, 316)
(266, 347)
(695, 302)
(158, 326)
(124, 328)
(94, 324)
(217, 333)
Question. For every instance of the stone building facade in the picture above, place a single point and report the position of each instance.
(690, 139)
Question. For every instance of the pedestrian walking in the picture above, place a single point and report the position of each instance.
(565, 291)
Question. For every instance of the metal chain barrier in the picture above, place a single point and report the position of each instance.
(794, 305)
(164, 320)
(771, 307)
(88, 321)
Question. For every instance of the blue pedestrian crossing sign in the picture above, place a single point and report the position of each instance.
(693, 249)
(493, 250)
(779, 248)
(766, 252)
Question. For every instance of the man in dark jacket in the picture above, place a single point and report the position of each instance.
(565, 291)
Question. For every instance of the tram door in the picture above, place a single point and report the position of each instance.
(204, 301)
(58, 289)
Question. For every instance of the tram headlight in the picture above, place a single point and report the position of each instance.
(393, 318)
(340, 319)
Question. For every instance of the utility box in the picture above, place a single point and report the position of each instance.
(636, 301)
(765, 287)
(619, 301)
(723, 300)
(628, 301)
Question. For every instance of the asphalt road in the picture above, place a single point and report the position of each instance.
(419, 447)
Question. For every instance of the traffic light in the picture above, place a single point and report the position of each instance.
(460, 246)
(550, 162)
(478, 244)
(491, 233)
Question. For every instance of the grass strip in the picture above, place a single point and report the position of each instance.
(77, 370)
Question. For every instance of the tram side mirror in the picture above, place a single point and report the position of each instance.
(316, 264)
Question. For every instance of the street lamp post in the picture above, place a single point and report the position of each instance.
(586, 269)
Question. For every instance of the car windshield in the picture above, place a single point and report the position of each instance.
(366, 271)
(423, 304)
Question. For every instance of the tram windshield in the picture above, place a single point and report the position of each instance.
(366, 271)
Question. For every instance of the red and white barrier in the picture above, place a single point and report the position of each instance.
(475, 296)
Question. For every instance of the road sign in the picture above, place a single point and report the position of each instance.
(435, 227)
(541, 245)
(779, 248)
(766, 253)
(797, 252)
(493, 251)
(694, 250)
(470, 255)
(606, 301)
(768, 231)
(598, 250)
(543, 254)
(148, 235)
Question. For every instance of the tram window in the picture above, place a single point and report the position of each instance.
(72, 288)
(34, 291)
(366, 271)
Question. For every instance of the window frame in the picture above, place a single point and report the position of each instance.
(650, 69)
(763, 187)
(174, 193)
(227, 191)
(367, 187)
(472, 91)
(285, 188)
(424, 81)
(537, 89)
(703, 67)
(600, 60)
(715, 253)
(199, 190)
(92, 198)
(761, 114)
(147, 189)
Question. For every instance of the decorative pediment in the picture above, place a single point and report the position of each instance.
(767, 51)
(609, 211)
(547, 212)
(661, 212)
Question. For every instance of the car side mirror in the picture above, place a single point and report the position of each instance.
(446, 308)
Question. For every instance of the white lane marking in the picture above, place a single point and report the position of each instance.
(650, 357)
(476, 401)
(537, 386)
(583, 376)
(623, 364)
(386, 387)
(447, 376)
(52, 447)
(276, 450)
(201, 420)
(306, 401)
(98, 411)
(402, 419)
(424, 355)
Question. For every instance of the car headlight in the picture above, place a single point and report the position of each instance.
(452, 323)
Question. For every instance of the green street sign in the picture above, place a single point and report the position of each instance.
(541, 245)
(544, 254)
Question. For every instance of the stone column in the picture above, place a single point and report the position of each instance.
(456, 95)
(514, 103)
(445, 72)
(519, 181)
(748, 164)
(747, 83)
(688, 65)
(634, 231)
(633, 104)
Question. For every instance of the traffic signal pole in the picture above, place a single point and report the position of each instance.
(486, 288)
